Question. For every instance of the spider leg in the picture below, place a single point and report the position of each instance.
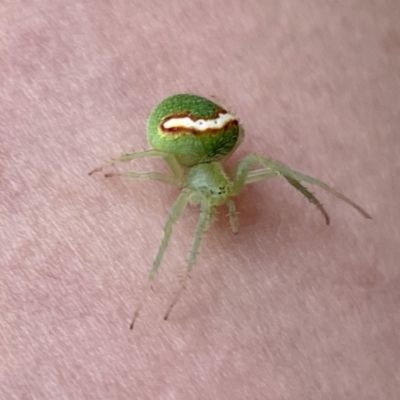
(244, 175)
(311, 198)
(152, 176)
(274, 168)
(266, 173)
(233, 216)
(290, 174)
(260, 175)
(177, 209)
(168, 158)
(205, 222)
(211, 219)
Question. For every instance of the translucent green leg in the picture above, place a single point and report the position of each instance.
(274, 168)
(312, 199)
(211, 219)
(152, 176)
(176, 211)
(169, 159)
(233, 216)
(290, 174)
(204, 223)
(260, 175)
(244, 175)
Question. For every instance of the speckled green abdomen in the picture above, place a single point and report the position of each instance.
(195, 130)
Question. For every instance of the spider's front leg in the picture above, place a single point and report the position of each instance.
(176, 169)
(205, 221)
(272, 169)
(244, 174)
(233, 216)
(177, 209)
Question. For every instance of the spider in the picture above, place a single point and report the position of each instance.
(195, 136)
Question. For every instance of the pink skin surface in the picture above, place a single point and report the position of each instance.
(287, 309)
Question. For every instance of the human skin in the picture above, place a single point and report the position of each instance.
(288, 308)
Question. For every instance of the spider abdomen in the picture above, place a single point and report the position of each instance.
(194, 129)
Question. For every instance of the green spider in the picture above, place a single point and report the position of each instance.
(195, 137)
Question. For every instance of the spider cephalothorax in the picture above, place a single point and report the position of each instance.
(195, 136)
